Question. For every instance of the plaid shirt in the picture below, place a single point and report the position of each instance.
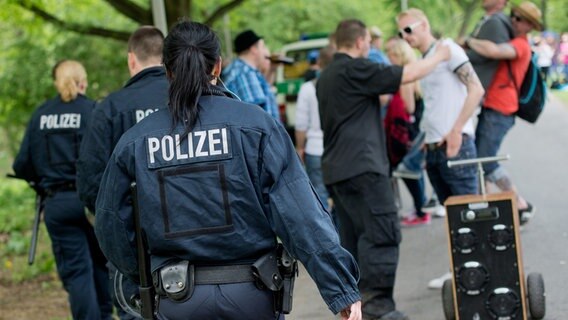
(249, 84)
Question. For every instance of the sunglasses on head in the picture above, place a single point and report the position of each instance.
(408, 29)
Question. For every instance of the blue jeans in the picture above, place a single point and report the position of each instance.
(491, 130)
(313, 168)
(415, 156)
(81, 264)
(460, 180)
(417, 191)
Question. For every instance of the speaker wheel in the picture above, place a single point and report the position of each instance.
(448, 300)
(537, 301)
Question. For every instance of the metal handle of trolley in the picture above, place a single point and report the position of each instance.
(479, 162)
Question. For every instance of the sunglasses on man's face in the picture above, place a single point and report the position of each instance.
(515, 17)
(408, 29)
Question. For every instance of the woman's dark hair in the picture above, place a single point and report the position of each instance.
(191, 50)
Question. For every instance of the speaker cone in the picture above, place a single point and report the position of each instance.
(472, 277)
(503, 303)
(500, 237)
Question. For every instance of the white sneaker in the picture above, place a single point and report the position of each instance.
(437, 283)
(439, 212)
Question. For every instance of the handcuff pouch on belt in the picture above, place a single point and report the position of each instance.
(176, 281)
(277, 271)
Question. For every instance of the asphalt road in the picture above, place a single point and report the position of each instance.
(539, 168)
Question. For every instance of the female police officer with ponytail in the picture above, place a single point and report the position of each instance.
(218, 181)
(47, 158)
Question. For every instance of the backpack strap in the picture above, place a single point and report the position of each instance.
(511, 76)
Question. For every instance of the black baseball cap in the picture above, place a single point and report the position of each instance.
(245, 40)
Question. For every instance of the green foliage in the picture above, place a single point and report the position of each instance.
(16, 217)
(17, 211)
(556, 13)
(32, 46)
(281, 22)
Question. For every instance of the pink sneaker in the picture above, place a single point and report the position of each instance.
(413, 220)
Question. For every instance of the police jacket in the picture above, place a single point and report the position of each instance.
(143, 94)
(50, 147)
(220, 195)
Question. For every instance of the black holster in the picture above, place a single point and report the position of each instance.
(175, 281)
(277, 271)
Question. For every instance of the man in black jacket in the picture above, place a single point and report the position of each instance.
(144, 93)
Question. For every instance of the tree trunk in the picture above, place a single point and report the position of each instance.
(468, 9)
(543, 10)
(176, 9)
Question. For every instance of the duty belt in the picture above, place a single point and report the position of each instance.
(223, 274)
(177, 280)
(66, 186)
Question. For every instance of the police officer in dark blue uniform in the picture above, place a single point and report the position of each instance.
(47, 158)
(144, 93)
(218, 181)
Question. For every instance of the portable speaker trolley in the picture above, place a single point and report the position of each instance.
(486, 258)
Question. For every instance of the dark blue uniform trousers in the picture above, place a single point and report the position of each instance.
(80, 262)
(222, 302)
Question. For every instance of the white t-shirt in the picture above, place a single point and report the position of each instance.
(444, 95)
(308, 119)
(545, 55)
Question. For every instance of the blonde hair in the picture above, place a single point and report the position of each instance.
(70, 79)
(415, 13)
(404, 51)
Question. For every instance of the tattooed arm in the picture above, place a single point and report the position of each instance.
(488, 49)
(475, 92)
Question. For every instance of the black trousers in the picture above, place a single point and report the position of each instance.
(223, 302)
(370, 231)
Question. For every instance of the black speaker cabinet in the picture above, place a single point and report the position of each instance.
(485, 255)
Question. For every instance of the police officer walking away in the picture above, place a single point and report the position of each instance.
(47, 158)
(218, 182)
(144, 93)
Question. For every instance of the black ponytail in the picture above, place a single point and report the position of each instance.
(191, 51)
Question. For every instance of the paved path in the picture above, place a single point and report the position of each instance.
(539, 167)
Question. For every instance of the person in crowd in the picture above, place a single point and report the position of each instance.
(219, 182)
(145, 92)
(545, 54)
(309, 136)
(376, 52)
(355, 164)
(497, 116)
(451, 95)
(313, 68)
(563, 56)
(402, 128)
(496, 27)
(47, 160)
(243, 76)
